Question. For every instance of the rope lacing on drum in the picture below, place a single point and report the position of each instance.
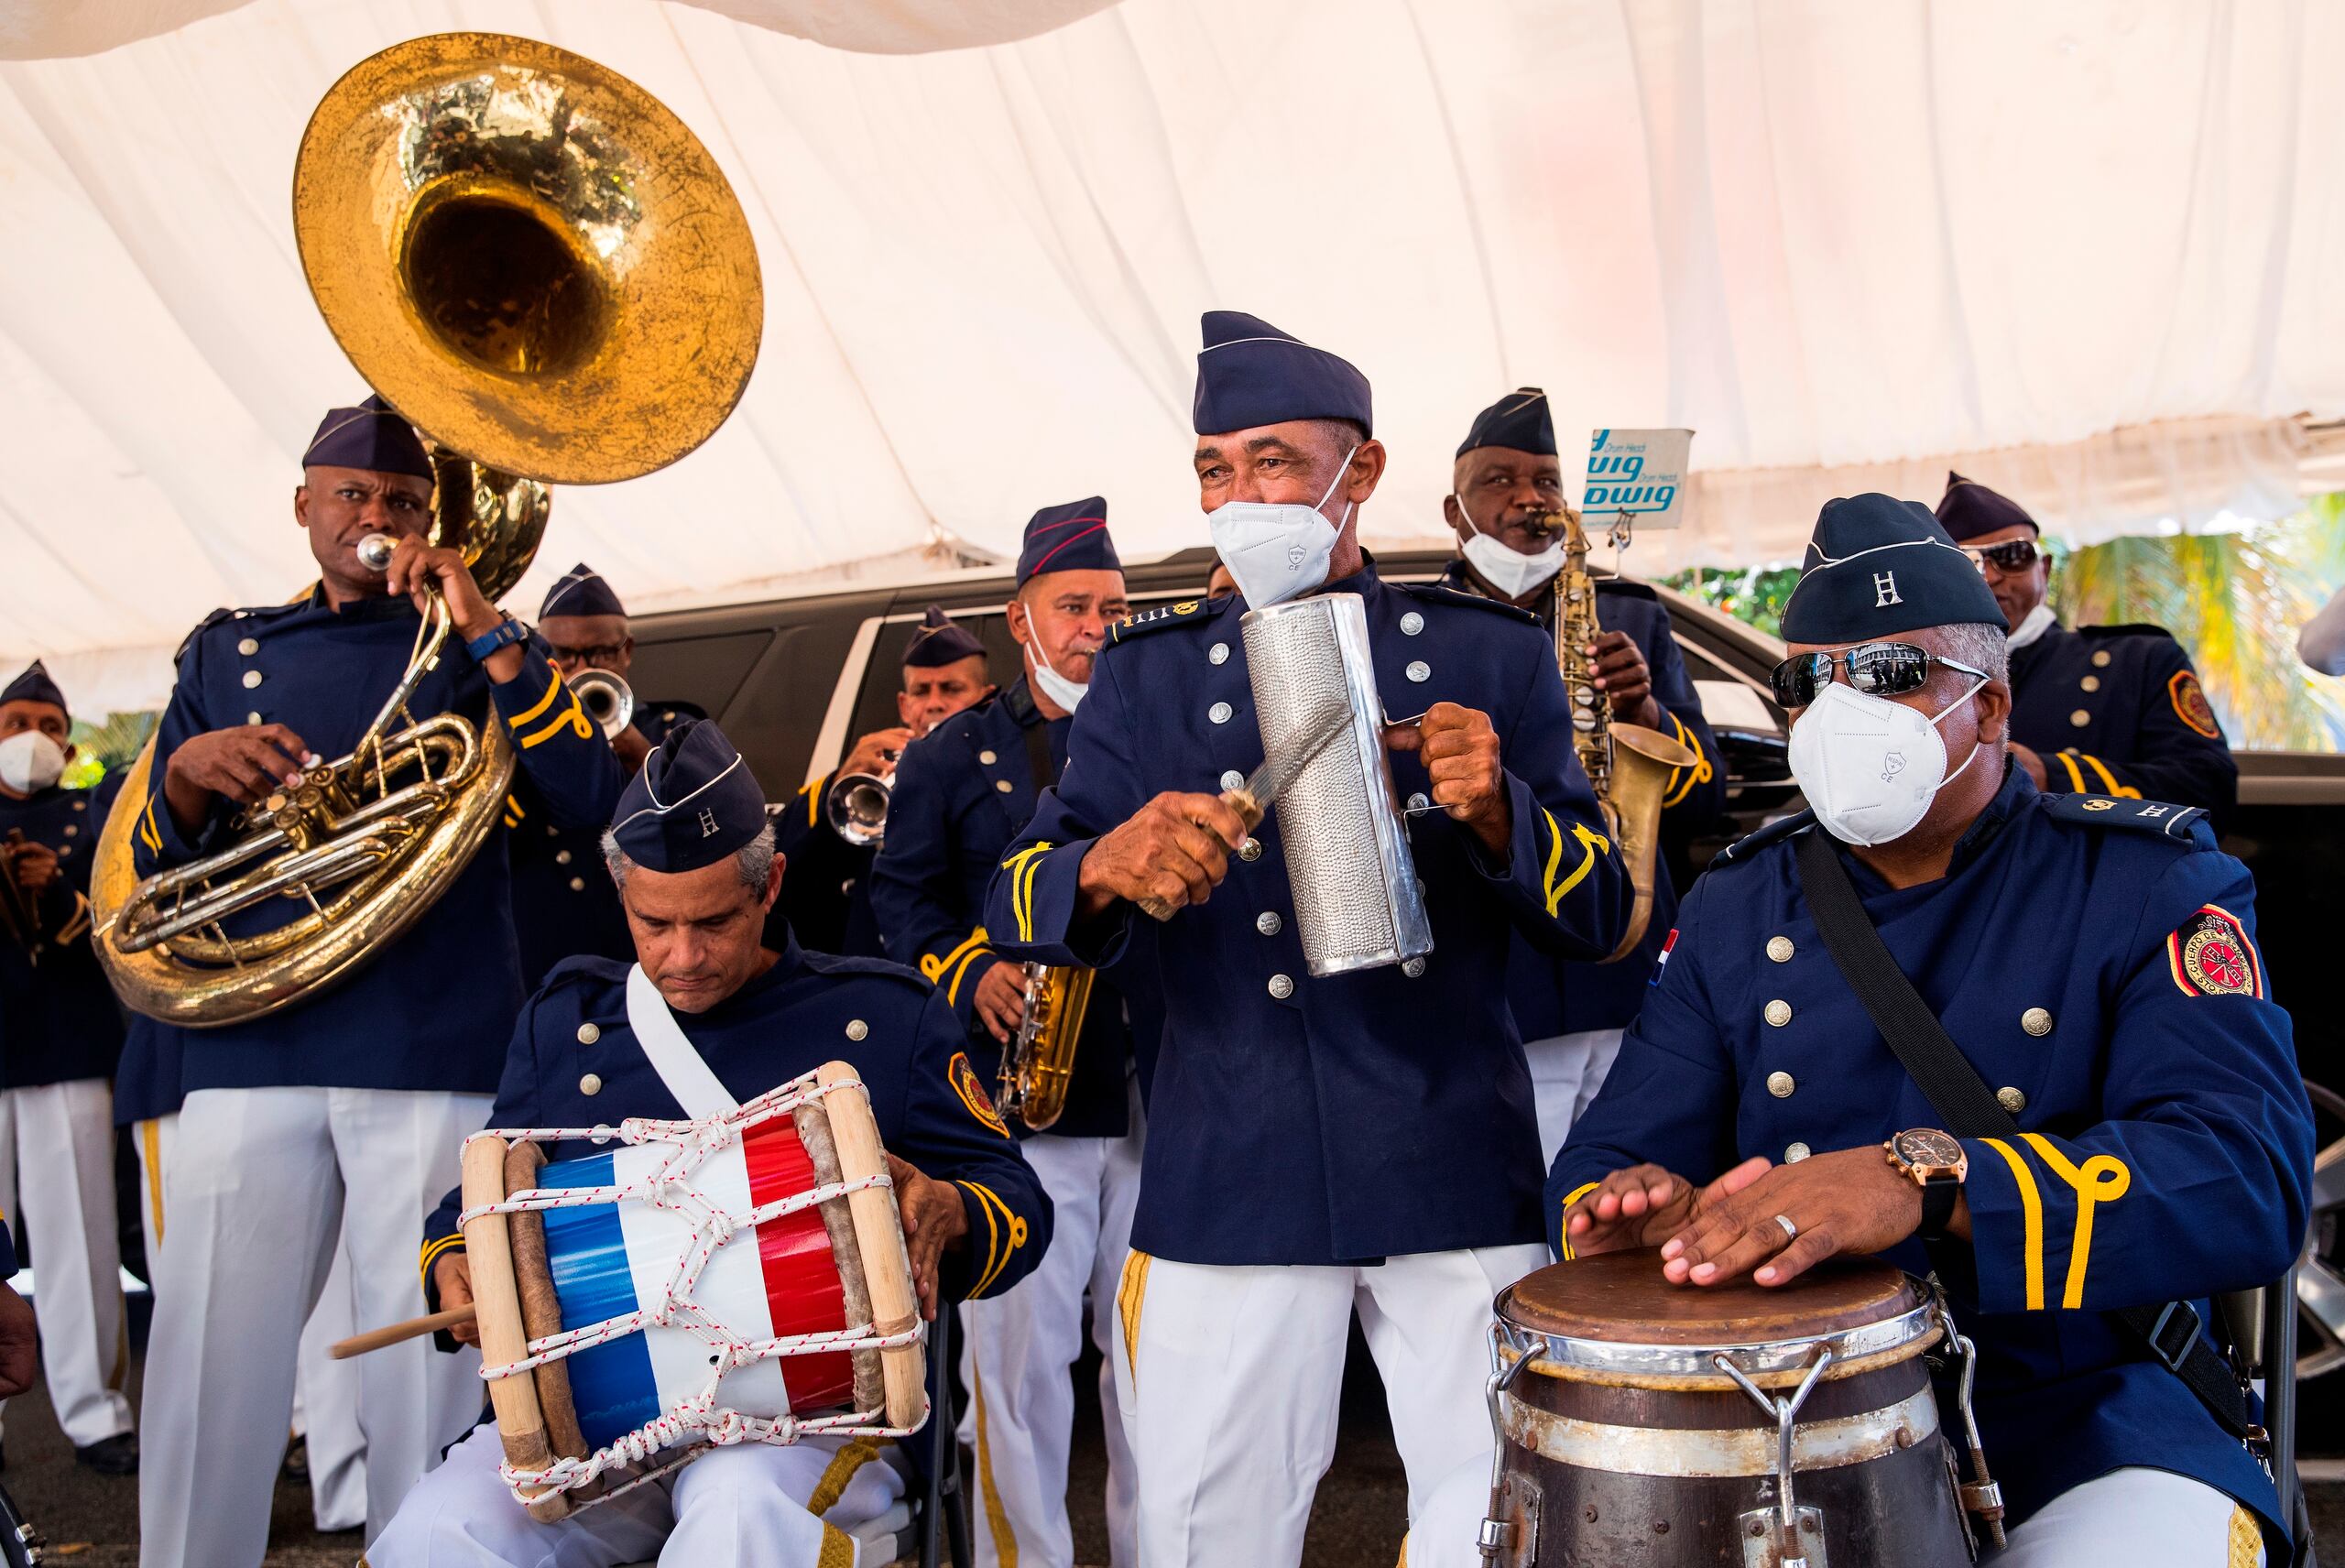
(698, 1420)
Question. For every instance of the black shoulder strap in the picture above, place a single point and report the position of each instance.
(1970, 1110)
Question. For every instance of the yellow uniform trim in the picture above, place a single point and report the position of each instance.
(150, 1144)
(512, 804)
(2102, 1179)
(1020, 909)
(75, 923)
(540, 706)
(1582, 1191)
(1130, 1293)
(993, 1240)
(1591, 843)
(146, 828)
(2123, 791)
(2031, 1208)
(1013, 1234)
(1005, 1540)
(813, 793)
(838, 1473)
(2246, 1548)
(2068, 761)
(953, 987)
(572, 718)
(838, 1549)
(1696, 773)
(933, 968)
(433, 1249)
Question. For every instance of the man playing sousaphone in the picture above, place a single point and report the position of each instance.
(348, 1107)
(2112, 1119)
(692, 857)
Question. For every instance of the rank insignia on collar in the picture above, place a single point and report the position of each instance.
(973, 1093)
(2210, 955)
(2190, 704)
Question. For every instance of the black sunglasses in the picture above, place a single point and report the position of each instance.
(1876, 669)
(2015, 555)
(601, 653)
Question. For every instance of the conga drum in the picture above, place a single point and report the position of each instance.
(738, 1278)
(1644, 1424)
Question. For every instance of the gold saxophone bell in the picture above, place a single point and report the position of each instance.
(608, 700)
(856, 805)
(544, 270)
(1038, 1065)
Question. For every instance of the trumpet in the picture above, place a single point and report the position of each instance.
(606, 699)
(856, 805)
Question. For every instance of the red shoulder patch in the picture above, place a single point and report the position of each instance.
(2211, 955)
(972, 1093)
(2191, 706)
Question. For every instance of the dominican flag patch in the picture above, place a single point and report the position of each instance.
(1662, 961)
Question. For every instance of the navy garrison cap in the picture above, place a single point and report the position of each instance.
(694, 802)
(940, 639)
(372, 435)
(1878, 566)
(34, 686)
(1073, 538)
(1252, 373)
(1520, 421)
(1968, 510)
(581, 591)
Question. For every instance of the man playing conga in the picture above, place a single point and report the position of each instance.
(2092, 960)
(1361, 1141)
(350, 1103)
(693, 855)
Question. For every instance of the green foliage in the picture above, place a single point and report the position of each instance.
(1756, 595)
(103, 748)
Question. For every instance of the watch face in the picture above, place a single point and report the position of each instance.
(1926, 1147)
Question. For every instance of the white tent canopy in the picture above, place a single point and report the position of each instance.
(2085, 252)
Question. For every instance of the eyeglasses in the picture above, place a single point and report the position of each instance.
(2015, 555)
(1876, 669)
(602, 653)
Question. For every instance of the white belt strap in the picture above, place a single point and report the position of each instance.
(681, 1067)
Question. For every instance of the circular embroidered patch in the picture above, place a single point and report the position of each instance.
(2190, 703)
(972, 1093)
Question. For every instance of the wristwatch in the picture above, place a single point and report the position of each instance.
(508, 632)
(1935, 1164)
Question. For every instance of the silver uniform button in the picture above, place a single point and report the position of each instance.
(1281, 987)
(251, 718)
(1417, 802)
(1418, 670)
(1232, 779)
(989, 759)
(562, 857)
(1218, 653)
(589, 1033)
(591, 1084)
(857, 1029)
(249, 647)
(1219, 713)
(1795, 1153)
(252, 679)
(2036, 1021)
(1252, 850)
(2100, 659)
(1781, 1084)
(2090, 683)
(2011, 1099)
(1003, 785)
(2080, 718)
(1779, 1012)
(1268, 923)
(1412, 623)
(1779, 948)
(553, 831)
(578, 884)
(71, 829)
(81, 805)
(1413, 967)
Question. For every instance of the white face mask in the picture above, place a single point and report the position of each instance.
(1869, 765)
(1509, 570)
(1278, 549)
(1067, 694)
(30, 762)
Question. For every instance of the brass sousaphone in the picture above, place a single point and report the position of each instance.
(544, 271)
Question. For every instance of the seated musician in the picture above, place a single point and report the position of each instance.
(693, 855)
(2093, 959)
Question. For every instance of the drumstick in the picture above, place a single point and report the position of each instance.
(398, 1332)
(1251, 800)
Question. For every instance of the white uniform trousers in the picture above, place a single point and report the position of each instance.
(325, 1391)
(1230, 1378)
(1567, 1070)
(57, 1160)
(1017, 1347)
(258, 1185)
(2139, 1517)
(821, 1503)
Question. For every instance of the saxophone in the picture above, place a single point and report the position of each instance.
(1038, 1063)
(1629, 766)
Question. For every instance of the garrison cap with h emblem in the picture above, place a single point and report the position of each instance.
(1069, 537)
(373, 436)
(581, 591)
(1877, 566)
(938, 640)
(694, 802)
(35, 686)
(1968, 510)
(1250, 374)
(1520, 421)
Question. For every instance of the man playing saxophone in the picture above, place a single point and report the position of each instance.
(963, 792)
(1508, 490)
(348, 1105)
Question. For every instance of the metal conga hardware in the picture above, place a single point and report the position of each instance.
(1772, 1538)
(1984, 1496)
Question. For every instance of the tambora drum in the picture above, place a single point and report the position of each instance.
(1644, 1424)
(738, 1278)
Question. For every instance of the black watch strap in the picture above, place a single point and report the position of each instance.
(1937, 1205)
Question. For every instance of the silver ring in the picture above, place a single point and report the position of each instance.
(1791, 1231)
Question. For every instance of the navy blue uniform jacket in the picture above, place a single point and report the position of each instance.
(963, 792)
(2166, 1149)
(433, 1009)
(574, 1063)
(1350, 1119)
(2118, 709)
(58, 1020)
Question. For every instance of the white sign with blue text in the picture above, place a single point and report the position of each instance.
(1636, 477)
